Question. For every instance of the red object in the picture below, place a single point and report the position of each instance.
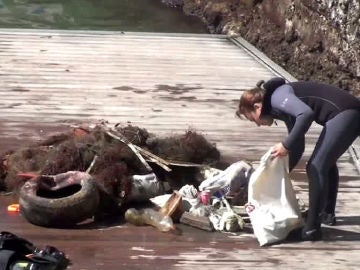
(80, 132)
(14, 207)
(28, 175)
(249, 207)
(205, 197)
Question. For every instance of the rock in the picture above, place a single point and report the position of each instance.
(317, 40)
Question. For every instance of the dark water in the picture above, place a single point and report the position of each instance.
(114, 15)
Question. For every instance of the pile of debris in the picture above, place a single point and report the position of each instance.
(92, 171)
(112, 155)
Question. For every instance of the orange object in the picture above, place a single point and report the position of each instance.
(80, 132)
(14, 207)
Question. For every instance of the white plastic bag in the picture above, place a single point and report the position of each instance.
(143, 187)
(272, 205)
(230, 180)
(190, 197)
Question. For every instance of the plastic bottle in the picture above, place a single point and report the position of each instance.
(151, 217)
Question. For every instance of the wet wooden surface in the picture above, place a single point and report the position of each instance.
(117, 245)
(167, 84)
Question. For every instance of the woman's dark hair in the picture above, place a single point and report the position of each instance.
(256, 95)
(249, 98)
(260, 83)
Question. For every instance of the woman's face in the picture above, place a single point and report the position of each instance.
(255, 116)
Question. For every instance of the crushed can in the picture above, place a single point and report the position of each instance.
(205, 197)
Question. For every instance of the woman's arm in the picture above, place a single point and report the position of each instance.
(297, 151)
(285, 101)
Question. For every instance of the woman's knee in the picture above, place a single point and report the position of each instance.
(315, 170)
(311, 169)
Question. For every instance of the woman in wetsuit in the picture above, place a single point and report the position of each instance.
(298, 104)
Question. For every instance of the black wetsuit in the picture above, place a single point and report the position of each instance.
(298, 104)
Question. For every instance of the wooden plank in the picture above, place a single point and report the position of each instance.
(199, 222)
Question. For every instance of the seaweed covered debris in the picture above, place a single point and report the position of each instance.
(115, 162)
(190, 147)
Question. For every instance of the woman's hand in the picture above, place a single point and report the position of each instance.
(279, 150)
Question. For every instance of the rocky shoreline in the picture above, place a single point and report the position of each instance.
(313, 40)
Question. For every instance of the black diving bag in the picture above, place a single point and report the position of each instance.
(17, 253)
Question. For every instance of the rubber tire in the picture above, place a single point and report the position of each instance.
(59, 212)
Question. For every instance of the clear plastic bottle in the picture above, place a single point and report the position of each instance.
(149, 216)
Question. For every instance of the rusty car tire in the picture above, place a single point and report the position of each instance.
(61, 201)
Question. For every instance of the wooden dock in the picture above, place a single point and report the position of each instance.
(166, 83)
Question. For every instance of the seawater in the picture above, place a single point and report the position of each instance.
(113, 15)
